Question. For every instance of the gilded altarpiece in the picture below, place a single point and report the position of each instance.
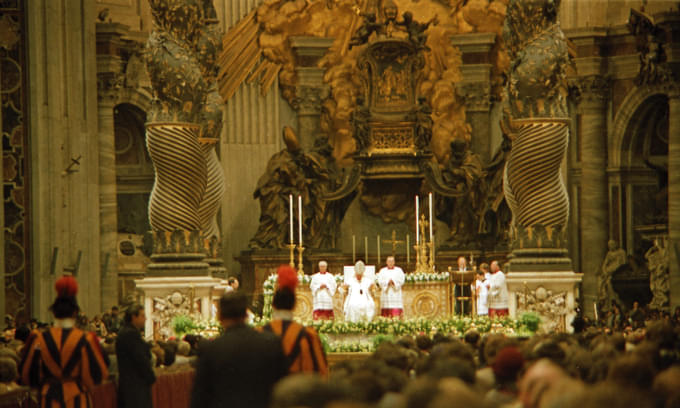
(16, 180)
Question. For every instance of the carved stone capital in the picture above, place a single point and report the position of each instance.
(477, 96)
(590, 89)
(108, 85)
(308, 99)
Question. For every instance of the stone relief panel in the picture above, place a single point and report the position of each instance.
(15, 159)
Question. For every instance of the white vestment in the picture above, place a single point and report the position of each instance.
(390, 296)
(482, 297)
(498, 291)
(323, 298)
(359, 304)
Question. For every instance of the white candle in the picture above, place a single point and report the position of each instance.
(417, 222)
(290, 216)
(595, 309)
(300, 220)
(354, 249)
(430, 197)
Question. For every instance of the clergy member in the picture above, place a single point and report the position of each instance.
(481, 293)
(462, 292)
(390, 280)
(323, 288)
(498, 292)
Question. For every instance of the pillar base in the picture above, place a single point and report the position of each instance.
(170, 296)
(552, 295)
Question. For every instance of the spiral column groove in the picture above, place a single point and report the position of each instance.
(181, 176)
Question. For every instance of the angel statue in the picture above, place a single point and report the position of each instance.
(359, 304)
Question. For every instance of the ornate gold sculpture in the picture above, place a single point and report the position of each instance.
(258, 48)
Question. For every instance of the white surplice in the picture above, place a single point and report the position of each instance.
(390, 296)
(323, 298)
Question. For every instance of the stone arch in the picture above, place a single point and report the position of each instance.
(139, 97)
(622, 133)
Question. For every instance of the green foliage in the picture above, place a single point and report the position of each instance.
(531, 321)
(377, 340)
(324, 343)
(183, 324)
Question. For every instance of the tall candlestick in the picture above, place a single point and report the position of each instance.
(354, 249)
(408, 249)
(300, 220)
(378, 263)
(290, 215)
(430, 198)
(595, 309)
(417, 221)
(366, 249)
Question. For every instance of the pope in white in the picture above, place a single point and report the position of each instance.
(359, 304)
(323, 288)
(390, 279)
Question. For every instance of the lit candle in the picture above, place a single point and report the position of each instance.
(595, 309)
(430, 198)
(290, 216)
(300, 220)
(417, 222)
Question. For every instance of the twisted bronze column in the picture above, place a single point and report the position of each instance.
(538, 123)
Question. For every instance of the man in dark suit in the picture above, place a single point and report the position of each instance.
(135, 374)
(240, 367)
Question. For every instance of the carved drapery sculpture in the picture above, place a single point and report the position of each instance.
(538, 122)
(659, 278)
(184, 124)
(615, 259)
(310, 175)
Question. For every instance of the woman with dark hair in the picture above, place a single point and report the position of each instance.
(64, 362)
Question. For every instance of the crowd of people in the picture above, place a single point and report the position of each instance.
(616, 362)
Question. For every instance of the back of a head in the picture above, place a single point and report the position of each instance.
(284, 299)
(632, 371)
(65, 305)
(132, 311)
(305, 390)
(233, 305)
(666, 387)
(8, 370)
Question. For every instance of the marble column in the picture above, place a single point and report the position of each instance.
(109, 81)
(108, 202)
(674, 193)
(592, 95)
(311, 89)
(476, 89)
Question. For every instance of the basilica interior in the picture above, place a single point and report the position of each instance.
(154, 147)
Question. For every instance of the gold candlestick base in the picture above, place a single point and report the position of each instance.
(300, 250)
(291, 247)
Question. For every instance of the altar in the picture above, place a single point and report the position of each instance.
(427, 299)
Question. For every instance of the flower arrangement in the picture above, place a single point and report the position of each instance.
(341, 337)
(184, 324)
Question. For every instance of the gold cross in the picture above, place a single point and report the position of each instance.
(393, 241)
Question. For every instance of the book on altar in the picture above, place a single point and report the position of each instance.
(348, 271)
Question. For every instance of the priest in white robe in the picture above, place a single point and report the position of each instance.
(323, 288)
(390, 279)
